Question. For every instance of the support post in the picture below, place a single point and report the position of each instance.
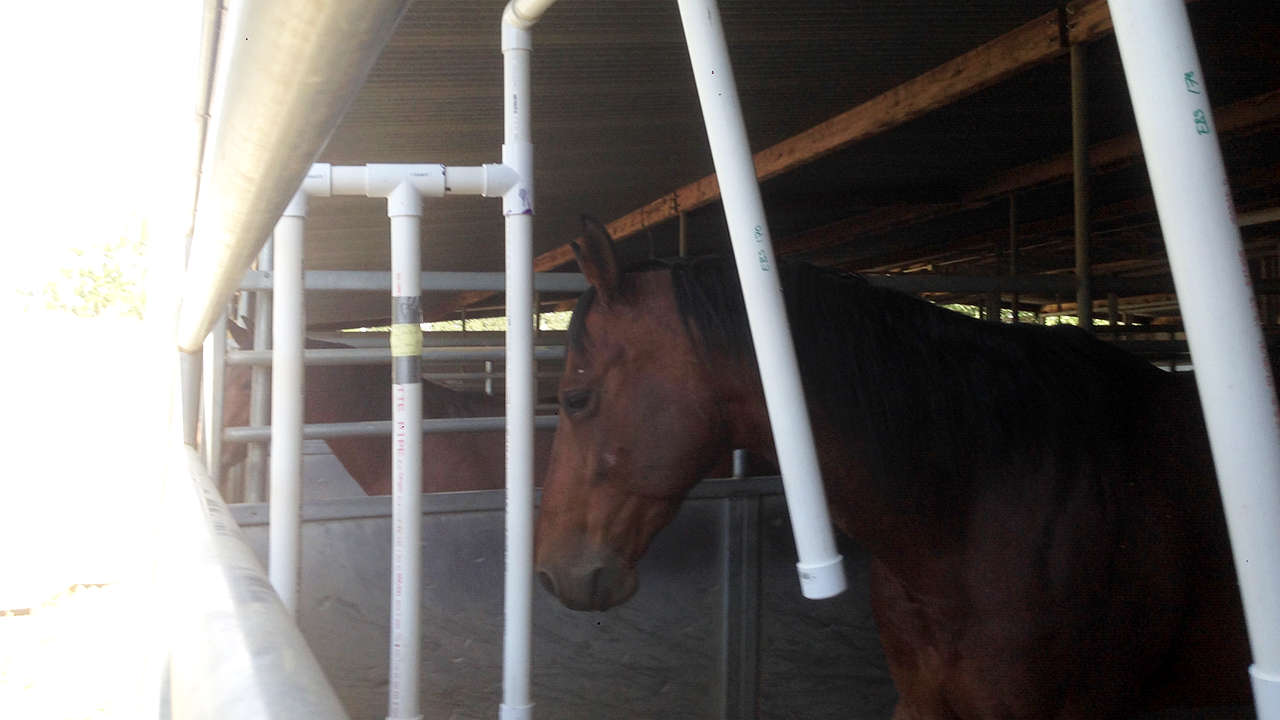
(404, 207)
(215, 374)
(820, 565)
(287, 402)
(1080, 180)
(1013, 251)
(191, 367)
(517, 208)
(260, 387)
(1211, 274)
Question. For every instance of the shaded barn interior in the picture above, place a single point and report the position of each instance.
(897, 138)
(926, 145)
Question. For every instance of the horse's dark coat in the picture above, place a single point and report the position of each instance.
(1047, 535)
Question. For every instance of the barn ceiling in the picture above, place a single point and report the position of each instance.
(950, 110)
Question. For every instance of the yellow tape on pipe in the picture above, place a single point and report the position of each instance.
(406, 340)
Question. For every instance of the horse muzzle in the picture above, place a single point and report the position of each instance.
(589, 580)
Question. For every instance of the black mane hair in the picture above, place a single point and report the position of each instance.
(931, 395)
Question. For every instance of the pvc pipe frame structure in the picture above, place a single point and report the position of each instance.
(403, 186)
(820, 565)
(1209, 268)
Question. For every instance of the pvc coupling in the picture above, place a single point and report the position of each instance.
(428, 179)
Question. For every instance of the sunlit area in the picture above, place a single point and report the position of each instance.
(97, 144)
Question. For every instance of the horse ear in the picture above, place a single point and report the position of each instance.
(242, 336)
(595, 258)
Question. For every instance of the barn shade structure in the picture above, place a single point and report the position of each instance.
(981, 153)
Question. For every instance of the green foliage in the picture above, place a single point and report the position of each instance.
(104, 280)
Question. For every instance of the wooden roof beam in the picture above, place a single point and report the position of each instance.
(1036, 42)
(1241, 117)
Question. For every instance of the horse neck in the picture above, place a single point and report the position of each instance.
(345, 393)
(740, 397)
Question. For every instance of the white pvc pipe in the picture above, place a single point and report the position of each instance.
(517, 207)
(260, 388)
(404, 207)
(403, 185)
(820, 565)
(1211, 274)
(522, 14)
(215, 373)
(287, 392)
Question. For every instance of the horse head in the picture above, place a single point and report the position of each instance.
(641, 421)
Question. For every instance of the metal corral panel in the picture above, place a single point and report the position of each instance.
(703, 638)
(819, 659)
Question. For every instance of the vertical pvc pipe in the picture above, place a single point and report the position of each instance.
(821, 571)
(517, 207)
(1080, 181)
(1211, 274)
(191, 367)
(287, 393)
(260, 388)
(404, 207)
(1013, 252)
(215, 375)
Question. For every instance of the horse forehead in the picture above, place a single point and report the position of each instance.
(638, 327)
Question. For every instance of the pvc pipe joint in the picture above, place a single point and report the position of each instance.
(1266, 692)
(489, 180)
(522, 14)
(518, 199)
(515, 712)
(430, 180)
(382, 179)
(406, 200)
(297, 207)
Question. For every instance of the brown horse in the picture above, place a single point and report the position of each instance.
(1046, 533)
(353, 393)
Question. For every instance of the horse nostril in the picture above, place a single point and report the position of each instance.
(548, 582)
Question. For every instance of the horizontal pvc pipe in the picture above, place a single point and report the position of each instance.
(374, 281)
(1210, 269)
(277, 99)
(380, 356)
(430, 179)
(373, 428)
(235, 650)
(820, 565)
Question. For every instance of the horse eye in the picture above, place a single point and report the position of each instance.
(575, 401)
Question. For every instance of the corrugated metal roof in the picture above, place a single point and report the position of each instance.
(617, 123)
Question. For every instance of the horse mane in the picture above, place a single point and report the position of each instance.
(927, 392)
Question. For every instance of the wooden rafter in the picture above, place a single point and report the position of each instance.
(1036, 42)
(1240, 117)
